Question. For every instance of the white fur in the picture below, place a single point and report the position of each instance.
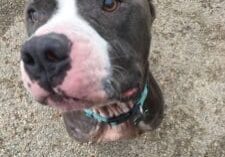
(67, 13)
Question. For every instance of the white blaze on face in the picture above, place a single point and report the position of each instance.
(67, 17)
(90, 62)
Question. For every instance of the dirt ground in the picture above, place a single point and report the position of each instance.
(188, 60)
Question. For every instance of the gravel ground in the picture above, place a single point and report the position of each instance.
(188, 60)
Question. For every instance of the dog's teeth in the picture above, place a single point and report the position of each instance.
(124, 107)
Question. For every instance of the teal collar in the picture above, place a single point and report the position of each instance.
(138, 108)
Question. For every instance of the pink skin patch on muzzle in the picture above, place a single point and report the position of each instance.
(84, 79)
(32, 86)
(82, 86)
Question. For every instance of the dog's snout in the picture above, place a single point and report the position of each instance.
(46, 55)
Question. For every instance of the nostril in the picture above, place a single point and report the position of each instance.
(28, 59)
(51, 56)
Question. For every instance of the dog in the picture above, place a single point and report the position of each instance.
(89, 58)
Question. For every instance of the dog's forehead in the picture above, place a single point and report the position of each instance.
(41, 2)
(82, 5)
(90, 11)
(143, 3)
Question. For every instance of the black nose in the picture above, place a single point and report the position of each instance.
(46, 57)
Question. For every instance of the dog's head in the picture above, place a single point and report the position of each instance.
(83, 53)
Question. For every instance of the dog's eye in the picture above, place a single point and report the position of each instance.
(110, 5)
(33, 15)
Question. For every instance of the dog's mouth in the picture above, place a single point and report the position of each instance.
(66, 103)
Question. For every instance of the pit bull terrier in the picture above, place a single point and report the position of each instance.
(89, 58)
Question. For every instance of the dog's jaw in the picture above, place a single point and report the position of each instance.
(99, 132)
(85, 129)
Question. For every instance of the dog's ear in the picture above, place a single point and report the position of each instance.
(152, 9)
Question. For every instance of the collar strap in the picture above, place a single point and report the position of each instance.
(138, 107)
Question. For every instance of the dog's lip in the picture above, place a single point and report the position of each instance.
(130, 92)
(66, 103)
